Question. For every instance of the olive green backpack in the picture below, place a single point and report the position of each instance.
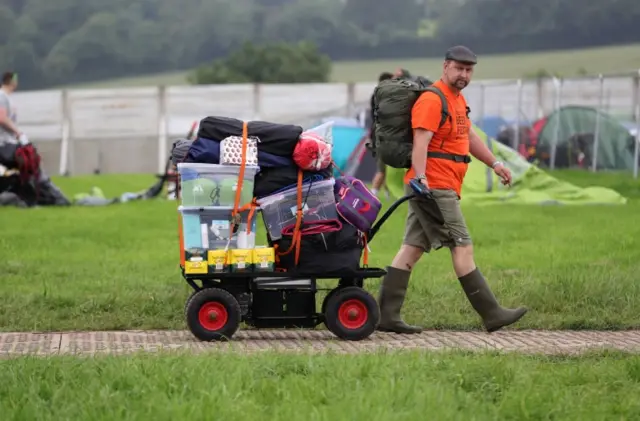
(392, 134)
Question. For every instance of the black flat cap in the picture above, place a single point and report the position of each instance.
(461, 54)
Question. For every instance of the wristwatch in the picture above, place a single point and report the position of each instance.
(495, 164)
(421, 177)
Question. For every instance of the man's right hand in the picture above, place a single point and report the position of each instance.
(420, 187)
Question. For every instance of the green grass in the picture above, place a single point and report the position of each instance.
(406, 386)
(117, 267)
(567, 63)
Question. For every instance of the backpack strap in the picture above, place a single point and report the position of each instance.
(443, 100)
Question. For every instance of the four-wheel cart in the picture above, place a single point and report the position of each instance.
(223, 299)
(220, 302)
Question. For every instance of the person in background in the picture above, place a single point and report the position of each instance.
(379, 177)
(10, 134)
(9, 131)
(403, 73)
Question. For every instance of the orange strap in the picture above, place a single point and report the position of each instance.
(252, 210)
(243, 164)
(277, 255)
(237, 209)
(296, 237)
(251, 207)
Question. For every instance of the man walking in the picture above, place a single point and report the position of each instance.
(440, 157)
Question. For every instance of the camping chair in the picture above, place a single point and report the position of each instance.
(169, 176)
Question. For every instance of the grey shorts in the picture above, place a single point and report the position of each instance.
(437, 223)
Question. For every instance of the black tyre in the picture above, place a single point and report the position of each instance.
(188, 300)
(213, 314)
(352, 314)
(327, 297)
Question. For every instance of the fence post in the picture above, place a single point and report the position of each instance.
(71, 164)
(64, 134)
(489, 171)
(540, 84)
(162, 128)
(481, 111)
(596, 140)
(636, 149)
(257, 101)
(351, 99)
(557, 83)
(516, 138)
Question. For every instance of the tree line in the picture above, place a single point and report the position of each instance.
(53, 42)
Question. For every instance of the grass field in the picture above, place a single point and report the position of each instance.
(567, 63)
(407, 386)
(117, 267)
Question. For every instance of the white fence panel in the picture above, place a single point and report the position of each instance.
(290, 102)
(186, 104)
(40, 113)
(114, 113)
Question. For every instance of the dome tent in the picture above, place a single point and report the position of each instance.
(575, 127)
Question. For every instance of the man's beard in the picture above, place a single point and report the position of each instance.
(460, 84)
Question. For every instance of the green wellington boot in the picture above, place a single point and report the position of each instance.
(391, 297)
(484, 302)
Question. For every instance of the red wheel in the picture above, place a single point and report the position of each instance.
(352, 314)
(213, 314)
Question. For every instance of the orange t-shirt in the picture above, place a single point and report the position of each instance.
(452, 137)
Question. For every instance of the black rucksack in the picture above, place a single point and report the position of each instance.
(392, 132)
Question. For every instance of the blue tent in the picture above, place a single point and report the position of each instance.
(491, 125)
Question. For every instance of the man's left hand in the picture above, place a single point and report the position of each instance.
(504, 174)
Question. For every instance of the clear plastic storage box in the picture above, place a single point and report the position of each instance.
(213, 184)
(279, 210)
(208, 228)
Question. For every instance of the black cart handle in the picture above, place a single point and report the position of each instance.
(418, 188)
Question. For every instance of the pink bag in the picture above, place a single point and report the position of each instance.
(355, 203)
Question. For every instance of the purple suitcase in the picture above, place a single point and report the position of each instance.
(355, 203)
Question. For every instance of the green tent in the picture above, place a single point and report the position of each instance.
(574, 127)
(530, 185)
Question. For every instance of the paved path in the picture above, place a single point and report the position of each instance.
(531, 341)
